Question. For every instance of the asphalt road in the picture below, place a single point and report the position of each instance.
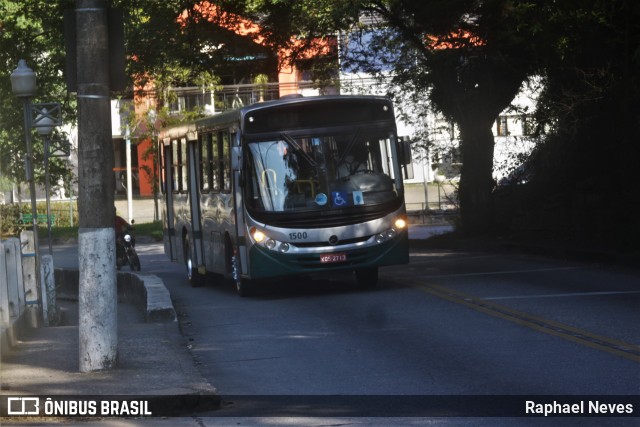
(449, 323)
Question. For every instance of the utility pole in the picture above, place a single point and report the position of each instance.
(96, 185)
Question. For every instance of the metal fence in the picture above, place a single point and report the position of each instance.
(228, 97)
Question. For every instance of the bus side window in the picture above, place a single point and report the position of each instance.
(162, 175)
(215, 159)
(205, 166)
(225, 164)
(184, 169)
(175, 162)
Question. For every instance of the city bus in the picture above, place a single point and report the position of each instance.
(295, 186)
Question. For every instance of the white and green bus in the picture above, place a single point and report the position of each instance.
(296, 186)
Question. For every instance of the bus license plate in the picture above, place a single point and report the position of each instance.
(328, 258)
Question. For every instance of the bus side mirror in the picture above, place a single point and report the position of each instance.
(236, 158)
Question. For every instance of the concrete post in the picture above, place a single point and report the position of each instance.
(97, 309)
(49, 283)
(15, 286)
(31, 291)
(4, 294)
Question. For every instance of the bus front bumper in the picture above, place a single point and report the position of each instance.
(265, 263)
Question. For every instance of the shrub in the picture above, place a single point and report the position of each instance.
(66, 214)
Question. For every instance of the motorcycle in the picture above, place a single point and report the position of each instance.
(126, 250)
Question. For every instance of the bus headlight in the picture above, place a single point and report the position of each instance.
(260, 237)
(270, 244)
(284, 247)
(257, 235)
(400, 223)
(390, 233)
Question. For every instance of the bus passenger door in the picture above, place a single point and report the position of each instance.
(194, 205)
(169, 226)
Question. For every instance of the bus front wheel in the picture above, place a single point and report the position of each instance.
(367, 278)
(234, 269)
(243, 286)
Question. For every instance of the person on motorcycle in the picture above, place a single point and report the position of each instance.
(125, 244)
(120, 223)
(121, 226)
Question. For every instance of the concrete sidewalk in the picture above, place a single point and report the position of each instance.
(154, 362)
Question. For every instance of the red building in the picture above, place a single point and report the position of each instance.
(290, 80)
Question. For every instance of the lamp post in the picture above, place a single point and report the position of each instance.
(45, 129)
(152, 116)
(23, 85)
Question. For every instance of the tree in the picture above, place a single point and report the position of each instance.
(469, 58)
(585, 166)
(28, 33)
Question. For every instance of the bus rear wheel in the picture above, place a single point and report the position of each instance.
(195, 278)
(367, 278)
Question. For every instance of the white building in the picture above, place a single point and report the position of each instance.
(512, 130)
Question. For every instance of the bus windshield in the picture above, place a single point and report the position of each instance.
(288, 174)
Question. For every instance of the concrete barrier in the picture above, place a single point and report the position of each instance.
(19, 299)
(14, 313)
(145, 291)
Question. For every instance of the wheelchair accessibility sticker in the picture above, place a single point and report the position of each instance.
(340, 198)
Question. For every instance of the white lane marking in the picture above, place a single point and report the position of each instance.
(493, 273)
(576, 294)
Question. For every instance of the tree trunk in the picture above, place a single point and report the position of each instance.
(97, 299)
(476, 180)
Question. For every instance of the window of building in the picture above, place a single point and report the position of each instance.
(501, 126)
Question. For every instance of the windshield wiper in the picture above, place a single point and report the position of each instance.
(349, 146)
(298, 149)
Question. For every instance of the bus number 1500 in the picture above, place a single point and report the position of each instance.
(301, 235)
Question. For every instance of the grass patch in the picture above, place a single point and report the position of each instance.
(147, 229)
(61, 233)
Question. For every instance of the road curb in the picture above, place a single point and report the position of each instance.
(146, 291)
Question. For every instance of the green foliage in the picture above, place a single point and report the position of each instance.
(150, 229)
(587, 52)
(584, 169)
(28, 33)
(66, 213)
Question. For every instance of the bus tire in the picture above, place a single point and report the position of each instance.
(367, 278)
(195, 278)
(243, 286)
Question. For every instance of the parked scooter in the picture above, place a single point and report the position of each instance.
(126, 249)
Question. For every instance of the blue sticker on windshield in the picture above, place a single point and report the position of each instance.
(340, 198)
(358, 198)
(321, 199)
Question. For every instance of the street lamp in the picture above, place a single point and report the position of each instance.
(23, 85)
(45, 129)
